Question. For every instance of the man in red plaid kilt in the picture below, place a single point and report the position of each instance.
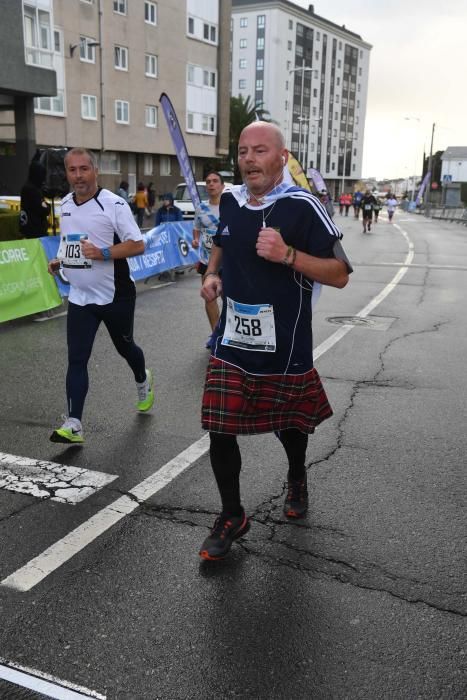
(276, 244)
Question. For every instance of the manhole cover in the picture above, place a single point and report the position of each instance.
(374, 323)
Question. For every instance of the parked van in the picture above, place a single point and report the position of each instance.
(182, 198)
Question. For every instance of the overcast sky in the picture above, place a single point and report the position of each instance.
(418, 68)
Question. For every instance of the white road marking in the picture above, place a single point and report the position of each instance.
(44, 683)
(338, 335)
(50, 318)
(58, 482)
(57, 554)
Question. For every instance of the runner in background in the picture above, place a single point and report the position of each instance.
(391, 203)
(204, 228)
(366, 205)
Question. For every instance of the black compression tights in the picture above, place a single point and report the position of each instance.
(226, 463)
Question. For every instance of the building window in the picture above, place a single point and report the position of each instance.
(259, 63)
(38, 36)
(243, 43)
(242, 84)
(261, 21)
(260, 42)
(208, 124)
(88, 107)
(150, 65)
(165, 165)
(340, 46)
(120, 57)
(289, 46)
(109, 162)
(209, 32)
(87, 52)
(317, 55)
(120, 6)
(150, 13)
(50, 105)
(244, 21)
(190, 121)
(122, 112)
(290, 24)
(259, 84)
(191, 25)
(318, 36)
(151, 116)
(242, 63)
(148, 168)
(190, 75)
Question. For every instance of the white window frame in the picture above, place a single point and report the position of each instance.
(242, 63)
(242, 44)
(242, 84)
(148, 164)
(88, 100)
(151, 121)
(190, 121)
(109, 162)
(87, 53)
(244, 21)
(150, 61)
(119, 53)
(122, 106)
(165, 166)
(120, 7)
(261, 21)
(206, 121)
(150, 13)
(192, 21)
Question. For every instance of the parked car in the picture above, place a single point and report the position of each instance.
(182, 198)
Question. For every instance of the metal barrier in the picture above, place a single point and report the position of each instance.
(456, 214)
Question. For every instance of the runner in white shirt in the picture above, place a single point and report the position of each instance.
(98, 234)
(204, 228)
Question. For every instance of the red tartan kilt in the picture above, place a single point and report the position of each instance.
(237, 403)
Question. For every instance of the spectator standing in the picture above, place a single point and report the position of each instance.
(326, 200)
(342, 204)
(274, 241)
(34, 210)
(347, 202)
(151, 193)
(98, 233)
(168, 211)
(123, 190)
(204, 228)
(141, 203)
(357, 198)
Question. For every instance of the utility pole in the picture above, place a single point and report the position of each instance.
(430, 165)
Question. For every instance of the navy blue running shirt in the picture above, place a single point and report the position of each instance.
(248, 279)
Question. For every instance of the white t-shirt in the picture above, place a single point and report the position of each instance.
(104, 220)
(391, 204)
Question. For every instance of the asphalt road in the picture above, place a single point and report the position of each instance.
(365, 598)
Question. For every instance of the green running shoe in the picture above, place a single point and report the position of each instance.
(71, 432)
(146, 393)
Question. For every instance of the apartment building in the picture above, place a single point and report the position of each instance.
(20, 80)
(113, 59)
(311, 75)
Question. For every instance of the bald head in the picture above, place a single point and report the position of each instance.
(261, 156)
(272, 130)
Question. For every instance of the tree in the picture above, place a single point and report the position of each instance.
(242, 113)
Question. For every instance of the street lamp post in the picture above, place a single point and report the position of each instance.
(430, 165)
(412, 197)
(301, 118)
